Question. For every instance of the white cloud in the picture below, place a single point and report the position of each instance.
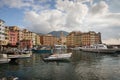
(114, 5)
(99, 8)
(69, 15)
(66, 15)
(45, 21)
(112, 41)
(15, 3)
(75, 15)
(75, 12)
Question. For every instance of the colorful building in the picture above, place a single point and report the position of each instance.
(6, 34)
(62, 39)
(2, 33)
(48, 40)
(37, 40)
(83, 39)
(13, 37)
(91, 37)
(74, 39)
(26, 44)
(20, 35)
(14, 28)
(28, 35)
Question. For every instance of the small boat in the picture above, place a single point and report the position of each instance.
(26, 55)
(4, 59)
(59, 57)
(25, 51)
(76, 48)
(99, 48)
(43, 50)
(60, 47)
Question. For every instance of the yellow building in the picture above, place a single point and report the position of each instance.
(48, 40)
(14, 28)
(2, 33)
(73, 39)
(6, 35)
(37, 40)
(62, 39)
(20, 35)
(83, 39)
(28, 35)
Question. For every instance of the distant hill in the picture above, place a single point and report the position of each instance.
(40, 33)
(57, 33)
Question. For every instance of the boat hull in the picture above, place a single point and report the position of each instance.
(102, 50)
(57, 60)
(4, 61)
(59, 57)
(42, 51)
(20, 56)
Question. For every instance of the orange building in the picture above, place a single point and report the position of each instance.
(83, 39)
(48, 40)
(73, 39)
(90, 38)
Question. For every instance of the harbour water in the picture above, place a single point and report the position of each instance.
(83, 66)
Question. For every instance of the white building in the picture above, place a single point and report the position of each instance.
(2, 32)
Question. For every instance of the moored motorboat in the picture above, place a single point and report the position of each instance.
(58, 57)
(43, 50)
(99, 48)
(20, 56)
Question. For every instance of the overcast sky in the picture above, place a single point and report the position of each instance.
(43, 16)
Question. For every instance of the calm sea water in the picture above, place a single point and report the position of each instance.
(83, 66)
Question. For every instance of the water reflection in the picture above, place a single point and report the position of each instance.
(92, 66)
(83, 66)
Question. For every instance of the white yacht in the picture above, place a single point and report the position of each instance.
(99, 48)
(58, 57)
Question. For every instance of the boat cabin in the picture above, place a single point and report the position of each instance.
(60, 47)
(99, 46)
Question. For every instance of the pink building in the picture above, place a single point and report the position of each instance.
(26, 44)
(13, 37)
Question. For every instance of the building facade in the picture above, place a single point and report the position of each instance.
(48, 40)
(13, 34)
(83, 39)
(13, 38)
(91, 37)
(28, 35)
(62, 39)
(6, 34)
(73, 39)
(37, 40)
(2, 32)
(26, 44)
(20, 35)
